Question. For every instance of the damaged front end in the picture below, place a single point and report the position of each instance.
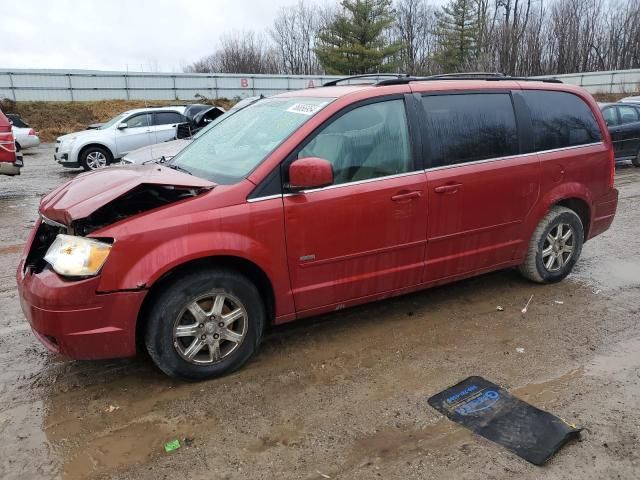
(96, 200)
(139, 200)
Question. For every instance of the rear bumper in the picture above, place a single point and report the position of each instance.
(604, 212)
(70, 318)
(7, 168)
(28, 141)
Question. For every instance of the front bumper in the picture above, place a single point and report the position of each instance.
(65, 159)
(71, 318)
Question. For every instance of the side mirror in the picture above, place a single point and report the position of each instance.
(310, 172)
(121, 126)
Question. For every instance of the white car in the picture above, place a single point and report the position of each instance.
(26, 137)
(631, 99)
(96, 148)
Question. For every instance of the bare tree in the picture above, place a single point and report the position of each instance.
(239, 52)
(294, 33)
(415, 29)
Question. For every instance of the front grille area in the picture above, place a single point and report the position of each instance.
(44, 237)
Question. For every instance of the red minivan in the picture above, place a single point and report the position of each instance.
(10, 161)
(313, 201)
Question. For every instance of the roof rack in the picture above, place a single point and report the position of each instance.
(489, 77)
(333, 83)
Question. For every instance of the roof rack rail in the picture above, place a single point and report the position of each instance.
(489, 77)
(333, 83)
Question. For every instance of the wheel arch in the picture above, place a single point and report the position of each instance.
(582, 209)
(241, 265)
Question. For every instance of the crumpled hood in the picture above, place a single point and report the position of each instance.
(89, 191)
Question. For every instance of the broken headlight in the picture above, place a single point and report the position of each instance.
(77, 256)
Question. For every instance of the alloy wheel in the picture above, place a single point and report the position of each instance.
(96, 160)
(210, 328)
(558, 247)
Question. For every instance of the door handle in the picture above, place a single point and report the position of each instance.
(406, 196)
(449, 188)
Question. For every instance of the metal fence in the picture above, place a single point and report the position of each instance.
(613, 81)
(82, 85)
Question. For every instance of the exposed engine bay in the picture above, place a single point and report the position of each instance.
(141, 199)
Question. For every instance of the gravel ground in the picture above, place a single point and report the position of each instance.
(343, 395)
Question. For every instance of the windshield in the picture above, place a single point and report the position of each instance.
(231, 148)
(113, 121)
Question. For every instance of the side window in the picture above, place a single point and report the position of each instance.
(610, 116)
(367, 142)
(468, 127)
(141, 120)
(167, 118)
(627, 114)
(560, 119)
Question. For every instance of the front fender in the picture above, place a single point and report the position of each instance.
(163, 258)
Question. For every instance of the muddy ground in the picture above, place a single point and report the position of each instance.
(344, 395)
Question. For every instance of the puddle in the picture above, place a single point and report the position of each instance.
(549, 391)
(624, 357)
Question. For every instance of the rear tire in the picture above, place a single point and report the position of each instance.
(205, 324)
(555, 246)
(94, 158)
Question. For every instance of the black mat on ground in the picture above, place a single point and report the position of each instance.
(494, 414)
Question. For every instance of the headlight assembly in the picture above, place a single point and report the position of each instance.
(77, 256)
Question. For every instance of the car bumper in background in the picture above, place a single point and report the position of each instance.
(70, 318)
(63, 159)
(7, 168)
(28, 141)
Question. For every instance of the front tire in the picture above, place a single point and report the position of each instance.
(205, 324)
(555, 246)
(94, 158)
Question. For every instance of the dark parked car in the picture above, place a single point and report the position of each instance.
(623, 121)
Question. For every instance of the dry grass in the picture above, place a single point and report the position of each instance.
(53, 119)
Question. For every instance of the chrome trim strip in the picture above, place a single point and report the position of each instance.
(510, 157)
(417, 172)
(260, 199)
(358, 182)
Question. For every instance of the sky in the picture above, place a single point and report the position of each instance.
(152, 35)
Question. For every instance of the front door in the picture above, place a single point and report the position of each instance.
(136, 134)
(365, 234)
(479, 191)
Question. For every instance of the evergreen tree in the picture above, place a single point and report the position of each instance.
(355, 41)
(458, 31)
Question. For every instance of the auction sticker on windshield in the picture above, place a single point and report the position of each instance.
(306, 108)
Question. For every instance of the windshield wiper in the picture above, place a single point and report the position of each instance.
(179, 168)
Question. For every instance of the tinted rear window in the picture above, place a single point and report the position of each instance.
(166, 118)
(468, 127)
(560, 120)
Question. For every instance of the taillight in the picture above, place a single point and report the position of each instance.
(32, 132)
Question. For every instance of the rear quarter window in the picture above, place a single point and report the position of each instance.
(560, 119)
